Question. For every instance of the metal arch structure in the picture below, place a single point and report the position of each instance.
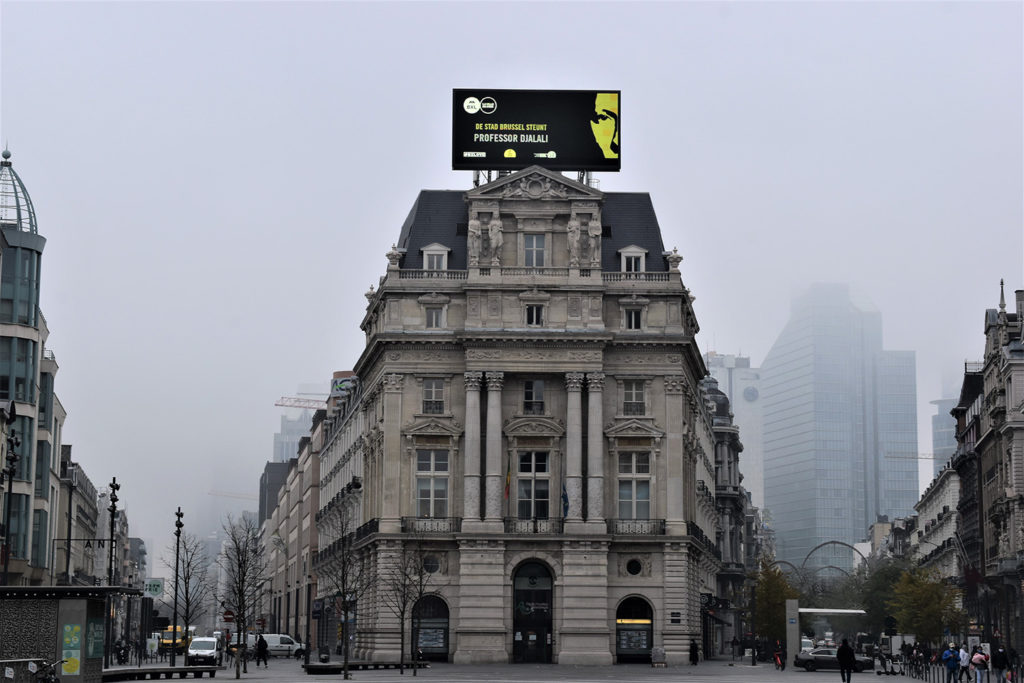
(822, 545)
(793, 566)
(831, 566)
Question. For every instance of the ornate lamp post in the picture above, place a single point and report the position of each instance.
(12, 460)
(178, 524)
(112, 509)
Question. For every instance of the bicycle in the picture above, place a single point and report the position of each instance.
(48, 672)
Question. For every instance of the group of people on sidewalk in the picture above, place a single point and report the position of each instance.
(961, 664)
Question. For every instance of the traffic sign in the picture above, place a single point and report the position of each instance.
(229, 616)
(261, 622)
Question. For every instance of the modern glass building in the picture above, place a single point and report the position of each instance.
(840, 428)
(27, 371)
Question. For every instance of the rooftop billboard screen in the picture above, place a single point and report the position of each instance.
(563, 130)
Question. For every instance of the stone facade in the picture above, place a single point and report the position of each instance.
(530, 417)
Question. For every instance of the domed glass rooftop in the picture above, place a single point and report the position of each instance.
(15, 204)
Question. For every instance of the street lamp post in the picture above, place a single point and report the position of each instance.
(72, 474)
(112, 509)
(12, 460)
(178, 524)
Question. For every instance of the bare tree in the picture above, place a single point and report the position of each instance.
(342, 570)
(194, 588)
(245, 567)
(404, 582)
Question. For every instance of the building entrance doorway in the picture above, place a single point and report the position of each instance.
(531, 614)
(430, 620)
(634, 631)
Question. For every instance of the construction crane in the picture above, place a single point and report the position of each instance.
(298, 402)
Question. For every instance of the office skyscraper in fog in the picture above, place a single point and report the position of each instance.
(840, 427)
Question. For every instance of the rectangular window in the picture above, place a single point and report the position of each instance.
(634, 486)
(631, 264)
(435, 261)
(533, 397)
(533, 489)
(431, 483)
(633, 318)
(435, 315)
(633, 397)
(433, 396)
(535, 314)
(533, 251)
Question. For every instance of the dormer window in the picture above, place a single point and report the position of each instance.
(633, 259)
(435, 257)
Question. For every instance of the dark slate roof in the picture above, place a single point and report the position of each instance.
(436, 215)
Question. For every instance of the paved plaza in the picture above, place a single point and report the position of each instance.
(722, 671)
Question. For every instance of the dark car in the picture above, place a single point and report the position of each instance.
(825, 658)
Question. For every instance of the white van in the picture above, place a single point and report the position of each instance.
(278, 645)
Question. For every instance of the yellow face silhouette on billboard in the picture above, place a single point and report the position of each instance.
(605, 123)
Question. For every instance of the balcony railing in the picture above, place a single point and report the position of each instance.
(637, 527)
(634, 408)
(432, 274)
(371, 527)
(532, 526)
(533, 407)
(643, 277)
(534, 272)
(431, 525)
(433, 407)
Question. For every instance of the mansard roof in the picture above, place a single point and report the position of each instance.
(442, 216)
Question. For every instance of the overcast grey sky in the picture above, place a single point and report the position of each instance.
(218, 184)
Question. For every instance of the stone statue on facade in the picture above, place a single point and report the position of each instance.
(594, 233)
(573, 231)
(496, 240)
(473, 242)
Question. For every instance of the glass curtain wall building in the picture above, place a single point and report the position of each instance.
(840, 428)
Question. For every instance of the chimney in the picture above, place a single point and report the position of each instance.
(1020, 304)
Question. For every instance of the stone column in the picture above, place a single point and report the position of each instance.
(471, 481)
(595, 447)
(574, 446)
(391, 455)
(675, 458)
(494, 476)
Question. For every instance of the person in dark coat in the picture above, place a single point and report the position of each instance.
(694, 653)
(261, 652)
(1000, 662)
(846, 659)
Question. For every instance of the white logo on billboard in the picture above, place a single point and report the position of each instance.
(488, 105)
(471, 105)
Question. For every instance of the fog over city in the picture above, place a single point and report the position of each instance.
(218, 184)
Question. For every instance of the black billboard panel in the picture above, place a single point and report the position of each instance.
(563, 130)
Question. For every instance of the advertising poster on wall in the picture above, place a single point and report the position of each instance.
(562, 130)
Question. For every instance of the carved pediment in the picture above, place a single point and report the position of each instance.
(632, 428)
(534, 182)
(534, 425)
(433, 426)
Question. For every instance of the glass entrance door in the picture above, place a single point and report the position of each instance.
(531, 614)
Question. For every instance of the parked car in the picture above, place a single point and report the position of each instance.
(278, 645)
(825, 658)
(204, 651)
(806, 645)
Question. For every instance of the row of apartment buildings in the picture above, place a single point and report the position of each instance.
(969, 524)
(57, 526)
(532, 413)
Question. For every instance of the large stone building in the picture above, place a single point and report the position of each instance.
(530, 415)
(990, 463)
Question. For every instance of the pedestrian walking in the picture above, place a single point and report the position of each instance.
(846, 659)
(694, 653)
(979, 660)
(735, 648)
(951, 659)
(965, 664)
(261, 652)
(1000, 662)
